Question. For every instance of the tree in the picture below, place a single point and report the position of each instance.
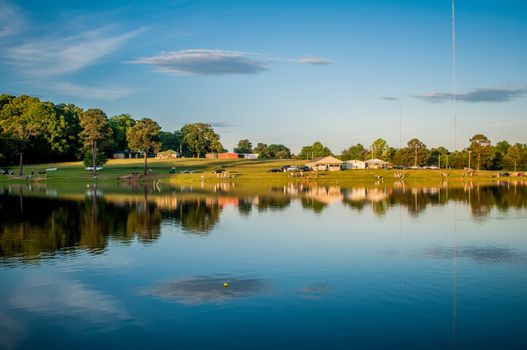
(22, 119)
(380, 149)
(200, 138)
(316, 150)
(95, 129)
(513, 156)
(120, 125)
(144, 136)
(279, 151)
(62, 131)
(172, 141)
(419, 151)
(262, 150)
(480, 146)
(244, 146)
(354, 152)
(438, 156)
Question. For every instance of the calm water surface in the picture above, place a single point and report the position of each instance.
(307, 267)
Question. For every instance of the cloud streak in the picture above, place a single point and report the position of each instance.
(105, 92)
(389, 98)
(314, 61)
(58, 56)
(206, 62)
(11, 20)
(476, 95)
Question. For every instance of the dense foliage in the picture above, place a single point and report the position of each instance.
(35, 131)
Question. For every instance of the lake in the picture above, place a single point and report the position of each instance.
(295, 266)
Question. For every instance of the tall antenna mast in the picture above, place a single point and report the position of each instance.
(400, 123)
(454, 112)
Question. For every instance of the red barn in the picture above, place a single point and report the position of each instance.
(228, 155)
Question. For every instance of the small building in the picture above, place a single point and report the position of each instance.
(377, 164)
(167, 154)
(126, 154)
(324, 164)
(211, 155)
(250, 155)
(228, 155)
(354, 164)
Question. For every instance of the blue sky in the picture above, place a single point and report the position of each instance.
(290, 72)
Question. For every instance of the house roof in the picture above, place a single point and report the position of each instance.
(376, 161)
(325, 160)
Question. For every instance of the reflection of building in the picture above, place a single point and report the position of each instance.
(325, 164)
(366, 194)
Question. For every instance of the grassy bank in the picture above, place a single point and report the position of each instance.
(239, 171)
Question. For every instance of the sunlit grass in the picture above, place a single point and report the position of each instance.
(239, 170)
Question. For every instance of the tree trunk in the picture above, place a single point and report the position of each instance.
(479, 157)
(21, 169)
(94, 158)
(415, 160)
(146, 165)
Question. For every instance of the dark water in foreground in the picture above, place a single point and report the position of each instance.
(307, 267)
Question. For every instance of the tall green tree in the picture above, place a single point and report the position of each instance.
(120, 125)
(380, 149)
(95, 129)
(62, 131)
(512, 157)
(420, 153)
(22, 119)
(262, 150)
(144, 136)
(200, 138)
(244, 146)
(480, 147)
(172, 141)
(279, 151)
(316, 150)
(354, 152)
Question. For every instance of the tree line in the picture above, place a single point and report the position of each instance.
(35, 131)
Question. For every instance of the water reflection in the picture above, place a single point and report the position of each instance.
(39, 222)
(208, 289)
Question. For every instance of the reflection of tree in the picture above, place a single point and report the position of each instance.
(316, 206)
(479, 198)
(245, 206)
(47, 226)
(145, 223)
(272, 202)
(195, 215)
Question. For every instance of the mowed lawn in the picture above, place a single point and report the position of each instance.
(238, 170)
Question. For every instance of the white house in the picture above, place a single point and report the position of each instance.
(250, 155)
(377, 164)
(325, 164)
(354, 164)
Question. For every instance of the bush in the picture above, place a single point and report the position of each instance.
(102, 158)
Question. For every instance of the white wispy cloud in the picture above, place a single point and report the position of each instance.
(206, 62)
(389, 98)
(58, 56)
(476, 95)
(72, 298)
(104, 92)
(314, 61)
(11, 19)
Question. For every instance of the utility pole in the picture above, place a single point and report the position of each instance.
(454, 112)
